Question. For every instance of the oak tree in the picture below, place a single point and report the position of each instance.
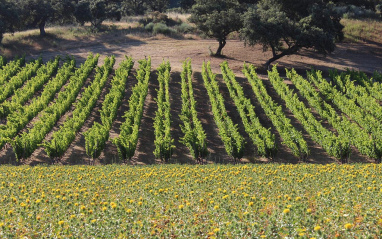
(217, 19)
(286, 26)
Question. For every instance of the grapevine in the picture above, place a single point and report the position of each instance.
(8, 88)
(62, 138)
(98, 134)
(194, 135)
(260, 136)
(164, 144)
(228, 131)
(127, 141)
(336, 146)
(22, 95)
(357, 136)
(290, 136)
(27, 142)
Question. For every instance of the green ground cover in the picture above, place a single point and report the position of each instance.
(212, 201)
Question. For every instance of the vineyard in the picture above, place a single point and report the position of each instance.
(132, 112)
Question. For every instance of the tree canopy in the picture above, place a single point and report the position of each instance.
(217, 19)
(186, 4)
(36, 13)
(158, 5)
(286, 26)
(134, 7)
(8, 17)
(97, 11)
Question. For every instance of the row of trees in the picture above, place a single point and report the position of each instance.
(27, 14)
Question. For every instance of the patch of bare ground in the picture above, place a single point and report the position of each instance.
(360, 56)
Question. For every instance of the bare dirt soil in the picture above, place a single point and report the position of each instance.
(360, 56)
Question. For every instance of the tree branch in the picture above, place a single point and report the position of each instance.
(289, 51)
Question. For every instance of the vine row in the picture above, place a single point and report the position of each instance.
(346, 105)
(127, 140)
(22, 95)
(3, 62)
(164, 144)
(194, 135)
(346, 128)
(336, 146)
(27, 142)
(62, 138)
(98, 134)
(18, 119)
(289, 135)
(260, 136)
(357, 93)
(28, 71)
(228, 131)
(11, 69)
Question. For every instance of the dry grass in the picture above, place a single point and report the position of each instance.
(63, 37)
(179, 16)
(64, 32)
(362, 30)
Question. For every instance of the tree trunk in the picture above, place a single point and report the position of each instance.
(42, 28)
(221, 45)
(275, 57)
(96, 24)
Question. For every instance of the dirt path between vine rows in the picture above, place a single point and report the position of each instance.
(364, 57)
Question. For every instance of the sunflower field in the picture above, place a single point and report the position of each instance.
(193, 201)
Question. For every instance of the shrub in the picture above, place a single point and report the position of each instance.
(161, 28)
(184, 28)
(379, 9)
(149, 27)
